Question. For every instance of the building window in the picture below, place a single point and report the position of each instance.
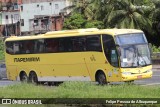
(16, 17)
(42, 7)
(22, 22)
(21, 8)
(56, 6)
(37, 5)
(35, 22)
(6, 16)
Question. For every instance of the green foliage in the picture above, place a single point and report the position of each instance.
(1, 50)
(79, 90)
(155, 48)
(94, 24)
(76, 21)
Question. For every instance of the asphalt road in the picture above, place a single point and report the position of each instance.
(155, 80)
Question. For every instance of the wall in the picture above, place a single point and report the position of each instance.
(10, 20)
(43, 8)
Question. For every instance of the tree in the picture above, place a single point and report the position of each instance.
(74, 21)
(128, 14)
(156, 16)
(82, 7)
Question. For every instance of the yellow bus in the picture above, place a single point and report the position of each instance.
(107, 55)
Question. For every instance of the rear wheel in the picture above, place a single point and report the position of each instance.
(101, 78)
(23, 77)
(33, 78)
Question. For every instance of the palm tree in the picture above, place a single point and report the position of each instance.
(82, 7)
(156, 16)
(128, 14)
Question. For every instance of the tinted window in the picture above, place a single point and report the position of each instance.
(93, 43)
(53, 45)
(110, 50)
(79, 44)
(39, 46)
(66, 44)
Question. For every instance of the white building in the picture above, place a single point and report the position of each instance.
(10, 18)
(31, 9)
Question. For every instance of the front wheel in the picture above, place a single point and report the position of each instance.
(101, 78)
(33, 78)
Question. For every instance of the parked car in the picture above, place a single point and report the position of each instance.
(3, 74)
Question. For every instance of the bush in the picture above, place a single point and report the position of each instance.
(155, 48)
(1, 50)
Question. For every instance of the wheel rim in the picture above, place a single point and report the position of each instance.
(33, 78)
(24, 78)
(101, 79)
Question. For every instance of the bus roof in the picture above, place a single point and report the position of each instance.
(76, 32)
(120, 31)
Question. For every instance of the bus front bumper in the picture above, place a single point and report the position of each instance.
(129, 77)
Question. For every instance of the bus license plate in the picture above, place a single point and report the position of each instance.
(139, 76)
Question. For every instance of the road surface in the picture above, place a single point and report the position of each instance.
(155, 80)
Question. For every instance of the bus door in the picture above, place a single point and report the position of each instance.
(111, 54)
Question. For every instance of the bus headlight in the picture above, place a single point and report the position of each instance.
(150, 70)
(126, 73)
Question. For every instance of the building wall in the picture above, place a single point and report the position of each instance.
(47, 8)
(10, 17)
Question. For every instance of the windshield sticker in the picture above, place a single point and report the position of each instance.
(125, 60)
(113, 51)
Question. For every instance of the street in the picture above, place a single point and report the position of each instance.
(155, 80)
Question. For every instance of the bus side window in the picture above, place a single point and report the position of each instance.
(110, 50)
(30, 46)
(52, 45)
(79, 44)
(94, 43)
(66, 44)
(9, 48)
(39, 46)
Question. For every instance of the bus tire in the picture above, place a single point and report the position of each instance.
(23, 77)
(33, 77)
(101, 78)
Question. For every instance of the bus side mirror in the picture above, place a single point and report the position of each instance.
(150, 48)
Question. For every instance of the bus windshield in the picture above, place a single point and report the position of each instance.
(133, 49)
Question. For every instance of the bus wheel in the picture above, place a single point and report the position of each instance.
(33, 78)
(101, 78)
(23, 77)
